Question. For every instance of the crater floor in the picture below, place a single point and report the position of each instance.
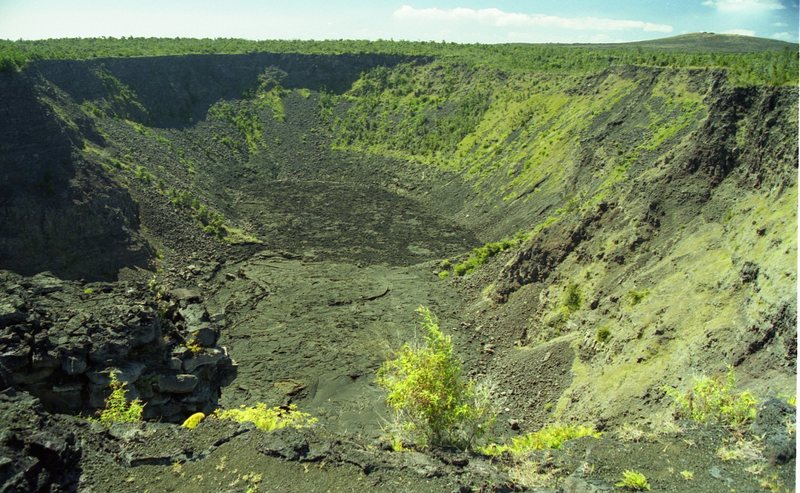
(311, 317)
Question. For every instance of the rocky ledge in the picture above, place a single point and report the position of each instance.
(61, 340)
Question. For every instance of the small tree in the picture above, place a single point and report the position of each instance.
(432, 401)
(118, 409)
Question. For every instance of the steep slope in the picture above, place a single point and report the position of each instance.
(58, 213)
(659, 211)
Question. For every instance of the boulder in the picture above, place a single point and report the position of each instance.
(177, 384)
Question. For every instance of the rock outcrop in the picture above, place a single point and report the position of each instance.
(61, 341)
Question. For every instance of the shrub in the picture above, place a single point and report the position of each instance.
(482, 254)
(603, 335)
(635, 297)
(549, 437)
(714, 400)
(634, 481)
(268, 419)
(572, 297)
(432, 401)
(117, 408)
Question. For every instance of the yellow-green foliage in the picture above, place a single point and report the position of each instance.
(117, 408)
(193, 420)
(635, 297)
(715, 400)
(268, 419)
(634, 481)
(572, 297)
(549, 437)
(243, 115)
(193, 346)
(432, 400)
(480, 255)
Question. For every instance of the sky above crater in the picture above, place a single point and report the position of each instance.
(468, 21)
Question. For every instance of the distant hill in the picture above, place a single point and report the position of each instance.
(709, 42)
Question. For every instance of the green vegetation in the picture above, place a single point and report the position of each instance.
(635, 297)
(603, 335)
(633, 481)
(749, 63)
(245, 114)
(193, 346)
(244, 117)
(480, 255)
(268, 419)
(548, 438)
(122, 96)
(715, 400)
(117, 408)
(572, 298)
(212, 222)
(433, 403)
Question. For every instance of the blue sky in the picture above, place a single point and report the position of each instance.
(450, 20)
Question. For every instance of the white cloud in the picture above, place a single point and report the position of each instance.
(783, 36)
(740, 32)
(780, 24)
(744, 6)
(498, 18)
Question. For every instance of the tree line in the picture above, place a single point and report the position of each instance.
(770, 67)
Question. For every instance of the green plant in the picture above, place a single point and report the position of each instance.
(268, 419)
(572, 297)
(687, 475)
(193, 346)
(714, 400)
(634, 481)
(88, 291)
(603, 335)
(548, 438)
(433, 403)
(635, 297)
(482, 254)
(117, 408)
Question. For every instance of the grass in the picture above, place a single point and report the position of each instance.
(635, 297)
(482, 254)
(633, 481)
(715, 400)
(268, 419)
(548, 438)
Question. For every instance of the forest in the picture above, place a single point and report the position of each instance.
(748, 63)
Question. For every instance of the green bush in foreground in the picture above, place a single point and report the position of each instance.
(117, 408)
(268, 419)
(549, 437)
(714, 400)
(433, 403)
